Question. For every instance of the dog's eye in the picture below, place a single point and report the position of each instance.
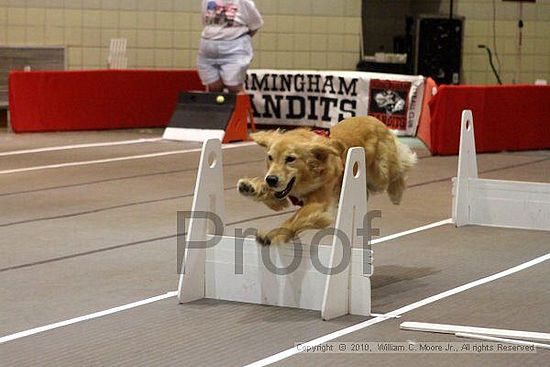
(269, 157)
(290, 159)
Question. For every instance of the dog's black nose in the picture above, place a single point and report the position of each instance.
(272, 180)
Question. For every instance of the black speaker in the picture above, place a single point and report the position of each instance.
(439, 49)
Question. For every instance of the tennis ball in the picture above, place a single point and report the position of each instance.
(220, 99)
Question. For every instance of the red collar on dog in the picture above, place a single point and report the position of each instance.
(322, 132)
(295, 201)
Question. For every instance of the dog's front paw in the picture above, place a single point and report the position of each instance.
(275, 237)
(246, 188)
(263, 238)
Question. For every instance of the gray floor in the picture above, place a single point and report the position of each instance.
(80, 239)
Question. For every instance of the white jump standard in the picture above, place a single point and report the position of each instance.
(332, 279)
(496, 203)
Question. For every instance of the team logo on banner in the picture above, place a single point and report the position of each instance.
(388, 102)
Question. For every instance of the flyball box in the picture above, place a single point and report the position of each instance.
(200, 116)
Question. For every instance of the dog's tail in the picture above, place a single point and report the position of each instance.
(407, 157)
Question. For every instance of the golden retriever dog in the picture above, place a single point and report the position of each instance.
(305, 168)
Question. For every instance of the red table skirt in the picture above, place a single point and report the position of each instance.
(96, 99)
(505, 118)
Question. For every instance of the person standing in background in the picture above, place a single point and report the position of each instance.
(225, 50)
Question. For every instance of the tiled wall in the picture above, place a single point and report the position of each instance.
(534, 62)
(301, 34)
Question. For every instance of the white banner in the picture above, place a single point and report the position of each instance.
(323, 98)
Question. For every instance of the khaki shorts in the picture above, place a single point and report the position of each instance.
(225, 60)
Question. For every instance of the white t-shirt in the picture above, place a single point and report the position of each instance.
(229, 19)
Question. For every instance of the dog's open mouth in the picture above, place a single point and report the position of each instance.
(286, 191)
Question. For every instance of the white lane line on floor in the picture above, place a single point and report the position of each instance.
(411, 231)
(94, 315)
(118, 159)
(41, 329)
(79, 146)
(323, 339)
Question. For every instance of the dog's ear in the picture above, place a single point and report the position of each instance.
(322, 151)
(265, 138)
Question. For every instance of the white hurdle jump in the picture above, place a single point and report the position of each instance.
(497, 203)
(212, 272)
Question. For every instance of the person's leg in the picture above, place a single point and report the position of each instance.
(208, 67)
(217, 86)
(234, 62)
(236, 88)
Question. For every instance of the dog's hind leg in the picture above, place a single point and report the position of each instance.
(256, 189)
(395, 190)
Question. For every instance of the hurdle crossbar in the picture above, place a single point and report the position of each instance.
(496, 203)
(502, 340)
(237, 269)
(452, 329)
